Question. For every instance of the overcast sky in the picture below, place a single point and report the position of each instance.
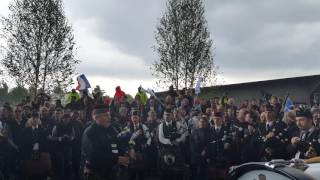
(254, 39)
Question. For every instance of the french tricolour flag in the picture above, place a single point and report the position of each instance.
(83, 82)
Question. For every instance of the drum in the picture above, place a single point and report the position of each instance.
(264, 171)
(171, 158)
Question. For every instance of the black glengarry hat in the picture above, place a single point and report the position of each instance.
(303, 112)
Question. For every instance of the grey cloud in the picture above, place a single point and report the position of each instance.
(275, 37)
(261, 35)
(124, 72)
(129, 25)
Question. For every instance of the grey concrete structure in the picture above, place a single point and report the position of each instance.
(305, 89)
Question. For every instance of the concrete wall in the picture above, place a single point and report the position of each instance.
(299, 91)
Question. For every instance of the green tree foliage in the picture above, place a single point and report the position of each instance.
(14, 95)
(4, 91)
(183, 45)
(17, 94)
(40, 46)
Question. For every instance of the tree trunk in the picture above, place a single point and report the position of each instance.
(44, 78)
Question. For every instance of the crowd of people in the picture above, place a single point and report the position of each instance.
(177, 136)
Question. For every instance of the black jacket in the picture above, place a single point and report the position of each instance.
(311, 139)
(199, 141)
(100, 149)
(32, 136)
(216, 147)
(275, 145)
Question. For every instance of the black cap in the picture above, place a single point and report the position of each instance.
(218, 114)
(101, 108)
(303, 112)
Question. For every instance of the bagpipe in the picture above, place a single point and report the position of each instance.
(308, 147)
(138, 141)
(171, 156)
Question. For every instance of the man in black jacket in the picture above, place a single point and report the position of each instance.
(100, 147)
(272, 131)
(199, 141)
(306, 145)
(219, 148)
(63, 134)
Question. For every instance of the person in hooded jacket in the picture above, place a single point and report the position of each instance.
(119, 95)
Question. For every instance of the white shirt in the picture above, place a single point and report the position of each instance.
(193, 123)
(136, 133)
(269, 124)
(182, 130)
(217, 128)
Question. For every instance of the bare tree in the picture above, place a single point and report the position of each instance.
(40, 46)
(184, 45)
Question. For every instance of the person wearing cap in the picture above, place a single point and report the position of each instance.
(219, 147)
(139, 140)
(272, 132)
(171, 132)
(100, 151)
(171, 136)
(36, 162)
(307, 144)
